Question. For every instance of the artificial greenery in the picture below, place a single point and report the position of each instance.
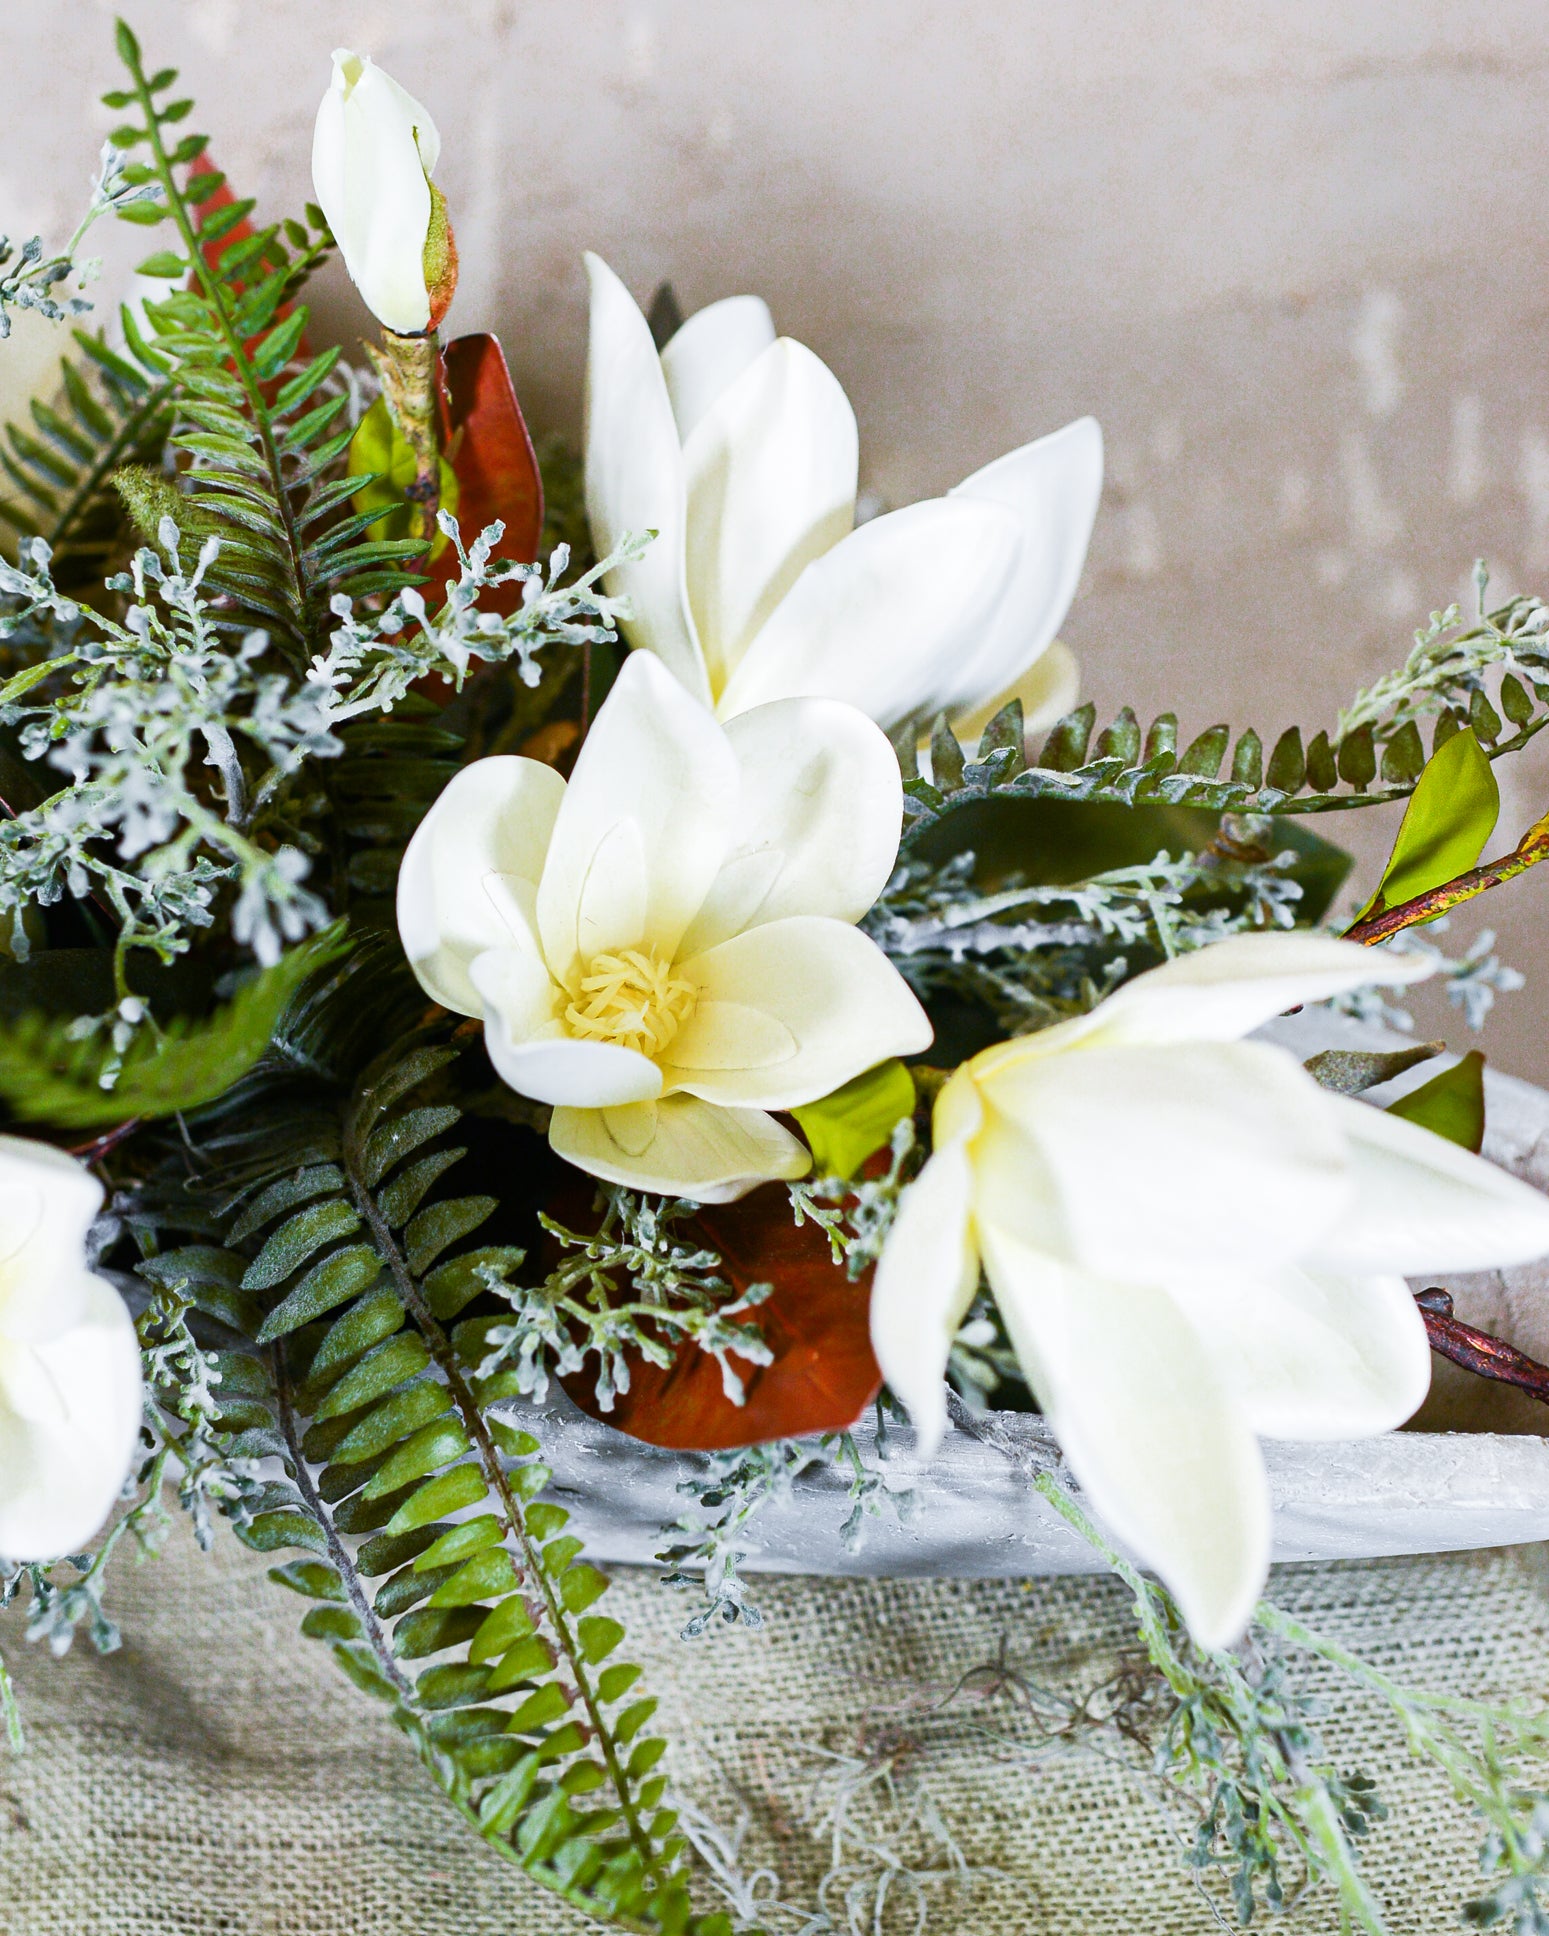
(232, 687)
(1460, 674)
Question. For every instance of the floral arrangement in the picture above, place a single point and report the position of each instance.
(473, 922)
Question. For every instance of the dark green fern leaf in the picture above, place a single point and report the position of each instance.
(115, 409)
(50, 1073)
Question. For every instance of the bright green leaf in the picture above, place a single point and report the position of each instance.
(1451, 814)
(380, 452)
(844, 1128)
(1451, 1104)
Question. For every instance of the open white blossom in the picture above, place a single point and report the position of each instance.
(664, 949)
(739, 449)
(374, 150)
(1191, 1244)
(70, 1393)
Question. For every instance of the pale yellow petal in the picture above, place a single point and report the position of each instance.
(696, 1150)
(836, 996)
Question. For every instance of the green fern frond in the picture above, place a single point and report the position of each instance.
(115, 409)
(442, 1580)
(264, 437)
(52, 1073)
(1375, 754)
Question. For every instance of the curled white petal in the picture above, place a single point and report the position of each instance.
(469, 877)
(771, 469)
(923, 1287)
(1053, 486)
(680, 1146)
(1314, 1354)
(1153, 1433)
(635, 479)
(1188, 1156)
(819, 812)
(710, 351)
(884, 618)
(643, 826)
(790, 1011)
(68, 1432)
(1419, 1203)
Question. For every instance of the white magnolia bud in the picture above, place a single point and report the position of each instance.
(373, 152)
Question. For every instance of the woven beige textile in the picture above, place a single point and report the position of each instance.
(219, 1777)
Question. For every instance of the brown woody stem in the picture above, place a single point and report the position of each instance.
(407, 367)
(1477, 1351)
(1529, 851)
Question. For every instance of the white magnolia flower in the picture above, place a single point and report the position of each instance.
(374, 150)
(739, 450)
(69, 1364)
(664, 949)
(1191, 1244)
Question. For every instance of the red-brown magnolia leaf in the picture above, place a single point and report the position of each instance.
(815, 1321)
(490, 452)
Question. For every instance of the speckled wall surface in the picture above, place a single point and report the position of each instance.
(1296, 260)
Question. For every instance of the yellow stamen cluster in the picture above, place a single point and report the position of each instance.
(633, 999)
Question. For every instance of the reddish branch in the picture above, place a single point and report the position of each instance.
(1529, 851)
(1477, 1351)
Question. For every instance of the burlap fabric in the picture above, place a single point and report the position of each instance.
(219, 1775)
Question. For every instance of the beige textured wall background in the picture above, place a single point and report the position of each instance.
(1295, 259)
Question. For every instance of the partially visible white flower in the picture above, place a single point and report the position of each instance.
(70, 1392)
(1191, 1244)
(665, 949)
(374, 150)
(739, 449)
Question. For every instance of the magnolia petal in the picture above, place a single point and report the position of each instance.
(710, 351)
(1194, 1156)
(924, 1284)
(1053, 486)
(62, 1467)
(634, 477)
(697, 1150)
(373, 149)
(771, 471)
(642, 829)
(525, 1036)
(472, 868)
(1311, 1354)
(1222, 992)
(1048, 690)
(1149, 1426)
(818, 819)
(47, 1203)
(841, 1002)
(883, 619)
(1419, 1203)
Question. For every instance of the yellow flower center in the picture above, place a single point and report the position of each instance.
(633, 999)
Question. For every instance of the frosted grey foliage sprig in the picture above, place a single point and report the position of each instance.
(1034, 952)
(733, 1488)
(856, 1213)
(1447, 666)
(374, 659)
(1472, 980)
(141, 705)
(706, 1551)
(29, 279)
(633, 1285)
